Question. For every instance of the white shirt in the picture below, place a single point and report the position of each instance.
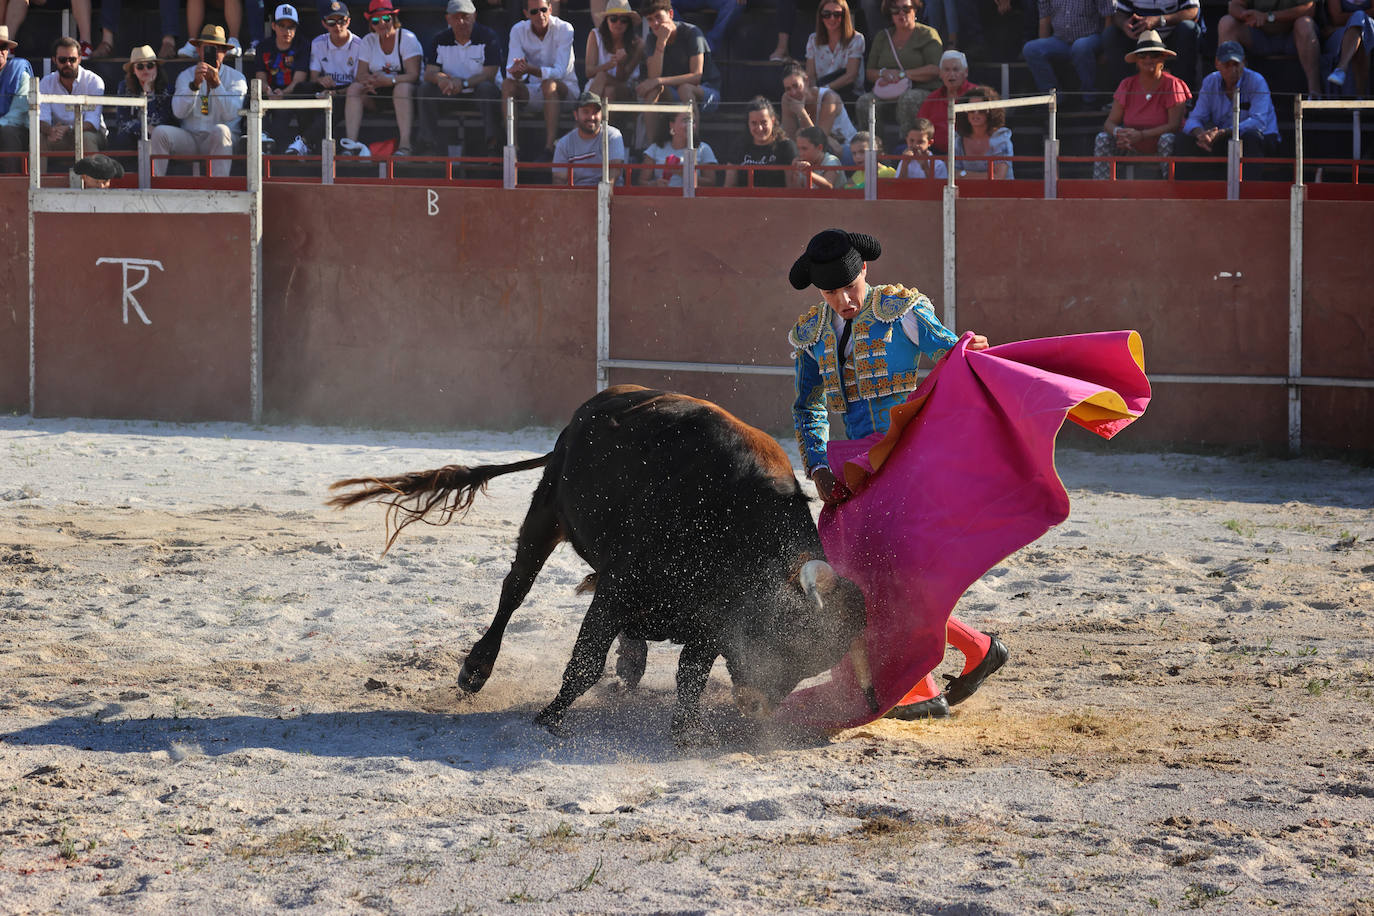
(86, 83)
(828, 61)
(341, 63)
(551, 55)
(201, 109)
(393, 64)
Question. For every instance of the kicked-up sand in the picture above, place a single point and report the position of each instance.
(216, 695)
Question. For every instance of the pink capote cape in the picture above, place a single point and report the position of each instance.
(963, 478)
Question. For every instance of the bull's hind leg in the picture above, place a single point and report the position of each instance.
(599, 629)
(540, 533)
(631, 658)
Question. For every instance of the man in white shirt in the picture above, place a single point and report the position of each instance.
(582, 146)
(539, 65)
(333, 63)
(207, 100)
(56, 122)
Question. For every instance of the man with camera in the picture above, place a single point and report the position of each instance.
(208, 100)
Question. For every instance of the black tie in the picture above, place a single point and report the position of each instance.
(839, 353)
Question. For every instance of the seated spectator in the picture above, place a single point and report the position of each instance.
(15, 76)
(903, 65)
(917, 160)
(859, 145)
(1178, 23)
(1274, 27)
(1208, 128)
(169, 18)
(765, 143)
(1349, 39)
(539, 66)
(725, 10)
(1069, 31)
(208, 101)
(678, 65)
(615, 53)
(667, 152)
(57, 122)
(816, 166)
(954, 84)
(835, 51)
(462, 64)
(97, 171)
(982, 133)
(283, 65)
(233, 24)
(956, 20)
(1005, 26)
(1147, 109)
(143, 78)
(16, 11)
(581, 146)
(804, 105)
(388, 68)
(333, 64)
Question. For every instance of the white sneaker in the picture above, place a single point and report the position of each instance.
(187, 50)
(353, 148)
(299, 147)
(235, 49)
(268, 144)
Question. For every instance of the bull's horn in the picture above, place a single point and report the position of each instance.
(858, 654)
(816, 575)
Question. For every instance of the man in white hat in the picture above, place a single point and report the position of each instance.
(208, 100)
(462, 64)
(15, 75)
(283, 65)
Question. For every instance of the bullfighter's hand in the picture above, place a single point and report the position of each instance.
(830, 490)
(978, 342)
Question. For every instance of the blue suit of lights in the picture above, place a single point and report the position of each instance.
(879, 375)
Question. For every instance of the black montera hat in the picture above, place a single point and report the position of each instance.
(833, 259)
(99, 166)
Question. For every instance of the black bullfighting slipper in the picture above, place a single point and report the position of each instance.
(964, 686)
(934, 708)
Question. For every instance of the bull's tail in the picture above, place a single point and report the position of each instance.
(434, 497)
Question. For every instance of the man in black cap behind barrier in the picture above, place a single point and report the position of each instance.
(857, 354)
(582, 145)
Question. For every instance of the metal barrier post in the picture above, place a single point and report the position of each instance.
(871, 157)
(508, 174)
(1233, 149)
(1052, 150)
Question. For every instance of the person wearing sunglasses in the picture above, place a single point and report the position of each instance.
(1069, 30)
(903, 65)
(388, 67)
(143, 78)
(209, 99)
(614, 53)
(283, 66)
(1147, 109)
(333, 64)
(461, 67)
(56, 123)
(16, 75)
(539, 67)
(835, 51)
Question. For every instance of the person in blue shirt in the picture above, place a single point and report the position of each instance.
(856, 354)
(1208, 129)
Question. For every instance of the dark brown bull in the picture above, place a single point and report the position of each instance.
(697, 532)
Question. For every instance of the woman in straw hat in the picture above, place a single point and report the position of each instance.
(614, 53)
(143, 78)
(1147, 109)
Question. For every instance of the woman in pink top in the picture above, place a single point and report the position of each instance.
(1147, 109)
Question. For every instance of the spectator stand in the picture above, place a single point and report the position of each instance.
(225, 262)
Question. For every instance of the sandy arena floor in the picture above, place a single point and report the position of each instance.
(219, 697)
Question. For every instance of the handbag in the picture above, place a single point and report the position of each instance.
(889, 91)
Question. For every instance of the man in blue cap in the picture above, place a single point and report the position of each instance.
(1208, 128)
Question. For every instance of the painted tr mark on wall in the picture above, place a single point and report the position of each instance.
(135, 264)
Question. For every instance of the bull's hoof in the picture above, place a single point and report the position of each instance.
(552, 721)
(632, 656)
(473, 677)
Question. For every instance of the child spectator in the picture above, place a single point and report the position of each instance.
(283, 65)
(858, 148)
(667, 153)
(816, 167)
(917, 160)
